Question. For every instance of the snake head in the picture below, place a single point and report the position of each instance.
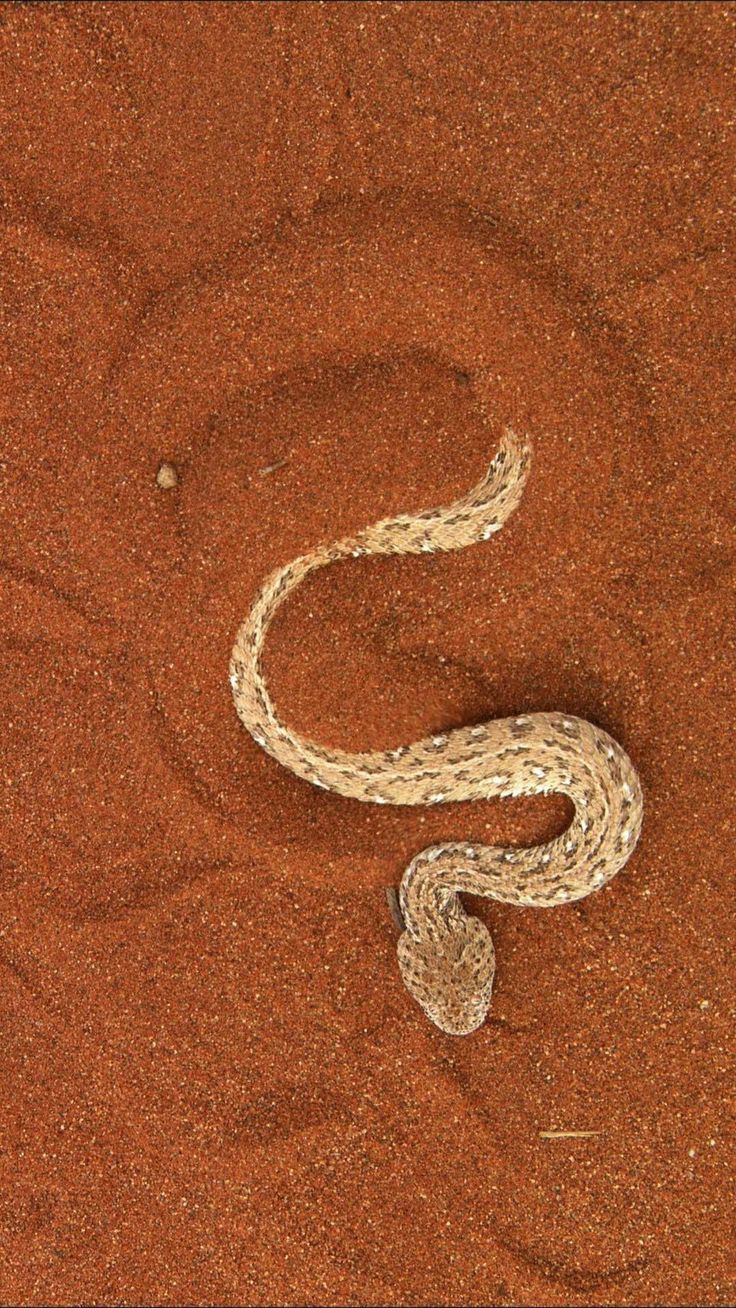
(450, 973)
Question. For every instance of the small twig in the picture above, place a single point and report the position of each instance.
(271, 467)
(567, 1135)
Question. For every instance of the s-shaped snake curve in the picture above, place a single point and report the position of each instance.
(446, 956)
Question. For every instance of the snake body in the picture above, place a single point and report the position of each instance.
(446, 956)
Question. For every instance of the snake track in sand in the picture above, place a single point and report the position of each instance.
(446, 956)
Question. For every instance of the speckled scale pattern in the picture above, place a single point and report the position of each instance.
(446, 956)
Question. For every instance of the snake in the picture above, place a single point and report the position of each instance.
(446, 955)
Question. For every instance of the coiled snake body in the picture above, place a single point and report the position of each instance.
(446, 956)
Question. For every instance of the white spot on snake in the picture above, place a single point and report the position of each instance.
(545, 858)
(378, 799)
(433, 854)
(234, 680)
(628, 792)
(439, 740)
(499, 780)
(478, 731)
(427, 546)
(538, 772)
(626, 835)
(520, 721)
(436, 799)
(610, 752)
(316, 782)
(489, 530)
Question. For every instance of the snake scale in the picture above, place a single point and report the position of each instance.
(446, 956)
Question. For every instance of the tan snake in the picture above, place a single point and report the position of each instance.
(446, 956)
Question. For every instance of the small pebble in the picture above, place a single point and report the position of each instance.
(167, 477)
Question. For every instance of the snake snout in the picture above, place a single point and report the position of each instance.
(451, 974)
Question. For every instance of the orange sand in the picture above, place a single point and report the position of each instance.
(283, 247)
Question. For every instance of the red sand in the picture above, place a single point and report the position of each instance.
(240, 236)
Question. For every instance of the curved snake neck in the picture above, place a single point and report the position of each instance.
(446, 957)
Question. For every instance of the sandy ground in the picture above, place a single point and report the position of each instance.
(286, 249)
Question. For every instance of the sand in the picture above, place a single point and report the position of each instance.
(261, 263)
